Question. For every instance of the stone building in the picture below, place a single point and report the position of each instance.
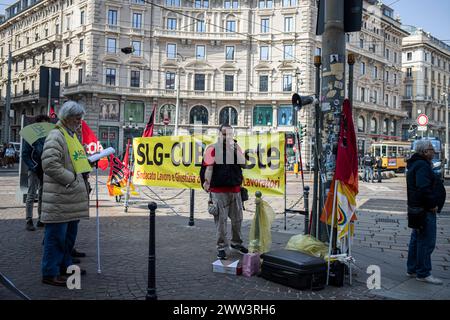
(237, 61)
(426, 66)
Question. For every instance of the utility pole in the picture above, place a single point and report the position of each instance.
(333, 87)
(8, 100)
(49, 99)
(177, 107)
(446, 132)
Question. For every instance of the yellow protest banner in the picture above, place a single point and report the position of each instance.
(175, 161)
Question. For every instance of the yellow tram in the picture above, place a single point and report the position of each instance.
(393, 154)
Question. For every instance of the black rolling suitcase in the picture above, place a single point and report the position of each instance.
(294, 269)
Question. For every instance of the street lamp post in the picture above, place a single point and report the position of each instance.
(446, 95)
(177, 107)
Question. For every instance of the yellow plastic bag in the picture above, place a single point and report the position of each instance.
(260, 238)
(308, 244)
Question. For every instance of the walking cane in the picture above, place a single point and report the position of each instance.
(98, 219)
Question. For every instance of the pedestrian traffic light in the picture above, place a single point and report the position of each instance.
(299, 101)
(302, 131)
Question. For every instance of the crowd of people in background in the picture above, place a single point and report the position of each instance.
(369, 164)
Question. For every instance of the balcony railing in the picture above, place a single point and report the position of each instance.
(42, 43)
(199, 35)
(184, 94)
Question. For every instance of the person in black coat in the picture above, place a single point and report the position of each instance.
(31, 155)
(425, 193)
(379, 166)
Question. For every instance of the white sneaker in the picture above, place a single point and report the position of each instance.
(431, 280)
(411, 275)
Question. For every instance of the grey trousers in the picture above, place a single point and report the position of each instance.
(34, 184)
(229, 206)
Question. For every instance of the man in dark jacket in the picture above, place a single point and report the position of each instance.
(422, 185)
(31, 155)
(223, 179)
(368, 163)
(379, 165)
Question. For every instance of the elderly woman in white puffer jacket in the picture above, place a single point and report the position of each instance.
(65, 198)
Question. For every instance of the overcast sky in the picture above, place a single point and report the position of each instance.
(431, 15)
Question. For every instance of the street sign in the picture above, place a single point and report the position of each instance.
(422, 128)
(422, 120)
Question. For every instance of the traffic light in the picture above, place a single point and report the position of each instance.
(352, 16)
(302, 132)
(299, 101)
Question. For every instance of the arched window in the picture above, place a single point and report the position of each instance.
(361, 124)
(200, 25)
(373, 126)
(166, 112)
(198, 115)
(231, 24)
(385, 126)
(227, 113)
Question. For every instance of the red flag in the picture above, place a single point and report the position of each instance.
(126, 158)
(52, 113)
(148, 132)
(347, 158)
(90, 142)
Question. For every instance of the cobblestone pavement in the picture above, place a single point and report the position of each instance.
(184, 254)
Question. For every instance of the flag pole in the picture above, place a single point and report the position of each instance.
(285, 184)
(332, 227)
(98, 219)
(350, 249)
(127, 194)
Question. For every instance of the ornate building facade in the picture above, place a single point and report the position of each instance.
(426, 66)
(236, 61)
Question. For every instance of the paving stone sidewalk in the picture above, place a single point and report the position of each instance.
(184, 254)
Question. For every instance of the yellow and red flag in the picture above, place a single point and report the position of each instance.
(344, 187)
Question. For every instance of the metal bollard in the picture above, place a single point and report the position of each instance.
(306, 200)
(191, 210)
(151, 286)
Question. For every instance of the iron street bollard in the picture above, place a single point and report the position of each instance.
(151, 286)
(306, 199)
(191, 210)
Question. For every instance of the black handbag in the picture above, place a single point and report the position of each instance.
(416, 217)
(244, 194)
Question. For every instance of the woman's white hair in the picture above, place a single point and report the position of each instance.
(423, 145)
(71, 109)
